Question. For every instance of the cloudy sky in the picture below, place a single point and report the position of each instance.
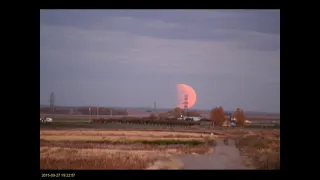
(133, 58)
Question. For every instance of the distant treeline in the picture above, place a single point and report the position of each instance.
(83, 111)
(263, 118)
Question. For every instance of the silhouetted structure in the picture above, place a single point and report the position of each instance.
(52, 99)
(186, 103)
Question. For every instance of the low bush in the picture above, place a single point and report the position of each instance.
(264, 152)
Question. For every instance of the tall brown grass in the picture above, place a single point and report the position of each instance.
(115, 149)
(72, 158)
(262, 151)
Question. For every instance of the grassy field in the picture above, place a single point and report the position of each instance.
(85, 149)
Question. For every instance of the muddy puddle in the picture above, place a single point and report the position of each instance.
(225, 155)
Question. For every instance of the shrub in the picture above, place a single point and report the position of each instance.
(153, 117)
(263, 152)
(239, 115)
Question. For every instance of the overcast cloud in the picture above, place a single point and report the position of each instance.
(132, 58)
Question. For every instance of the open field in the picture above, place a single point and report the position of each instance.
(135, 149)
(72, 142)
(75, 158)
(80, 149)
(121, 133)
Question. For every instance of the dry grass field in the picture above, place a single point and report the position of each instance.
(119, 133)
(122, 149)
(77, 158)
(85, 149)
(262, 149)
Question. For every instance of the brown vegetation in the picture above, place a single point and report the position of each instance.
(261, 149)
(239, 115)
(79, 149)
(123, 139)
(193, 113)
(177, 148)
(177, 112)
(146, 121)
(217, 116)
(153, 117)
(72, 158)
(118, 133)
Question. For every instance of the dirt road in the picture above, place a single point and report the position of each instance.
(225, 156)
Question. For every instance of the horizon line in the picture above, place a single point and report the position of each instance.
(128, 107)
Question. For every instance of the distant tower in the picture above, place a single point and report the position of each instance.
(154, 106)
(186, 103)
(52, 99)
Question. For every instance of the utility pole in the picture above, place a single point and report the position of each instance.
(90, 113)
(52, 99)
(154, 106)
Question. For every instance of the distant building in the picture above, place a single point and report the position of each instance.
(194, 118)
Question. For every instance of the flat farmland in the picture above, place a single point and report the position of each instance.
(135, 149)
(87, 149)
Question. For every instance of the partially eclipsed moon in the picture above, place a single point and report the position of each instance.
(182, 90)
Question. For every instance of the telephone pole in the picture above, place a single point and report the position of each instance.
(52, 99)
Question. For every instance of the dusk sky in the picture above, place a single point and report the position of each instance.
(131, 58)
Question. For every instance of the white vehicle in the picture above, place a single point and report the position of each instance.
(46, 120)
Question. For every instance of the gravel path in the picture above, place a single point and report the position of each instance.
(225, 156)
